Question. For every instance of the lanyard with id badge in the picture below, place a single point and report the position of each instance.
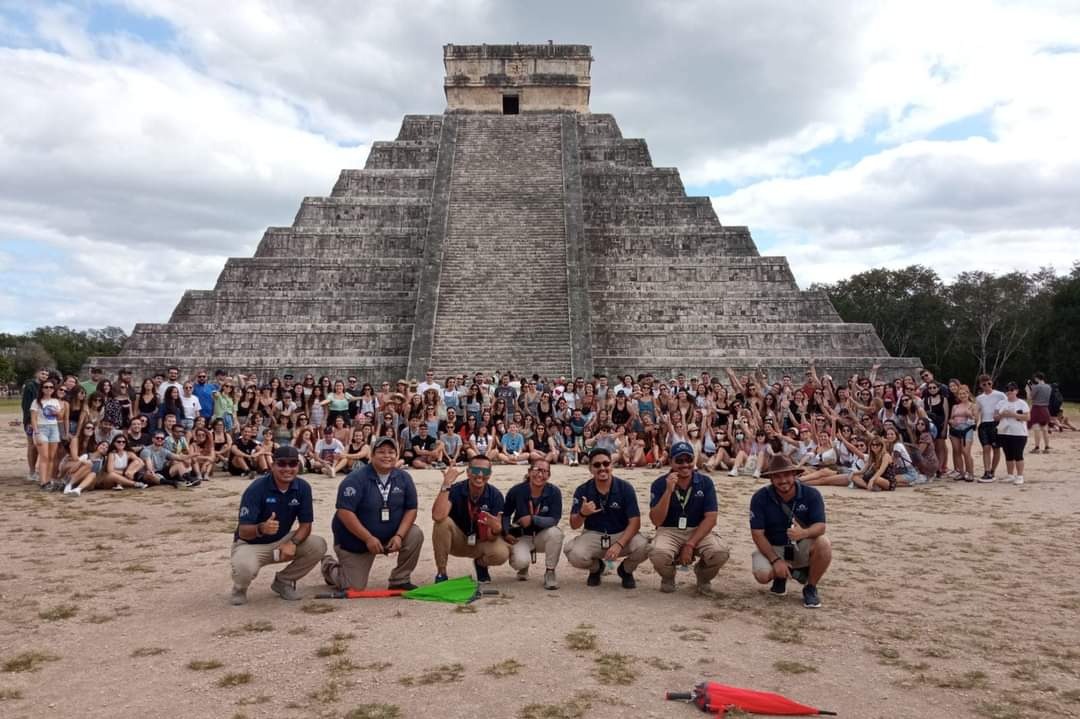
(384, 490)
(683, 501)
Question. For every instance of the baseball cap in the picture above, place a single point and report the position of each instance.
(380, 441)
(680, 449)
(286, 452)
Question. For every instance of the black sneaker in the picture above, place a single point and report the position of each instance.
(595, 575)
(193, 482)
(407, 586)
(482, 574)
(627, 578)
(810, 598)
(779, 587)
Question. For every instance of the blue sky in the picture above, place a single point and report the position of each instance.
(145, 141)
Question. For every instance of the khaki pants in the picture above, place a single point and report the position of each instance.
(548, 542)
(248, 559)
(583, 550)
(669, 541)
(448, 540)
(760, 565)
(350, 570)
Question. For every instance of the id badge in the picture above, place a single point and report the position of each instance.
(682, 522)
(384, 514)
(605, 542)
(471, 540)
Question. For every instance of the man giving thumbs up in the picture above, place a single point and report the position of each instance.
(264, 535)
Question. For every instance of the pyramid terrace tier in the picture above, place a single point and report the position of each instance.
(343, 273)
(375, 212)
(717, 338)
(366, 367)
(603, 212)
(775, 366)
(690, 306)
(384, 183)
(724, 274)
(420, 129)
(299, 340)
(624, 153)
(402, 155)
(623, 184)
(668, 244)
(290, 245)
(374, 305)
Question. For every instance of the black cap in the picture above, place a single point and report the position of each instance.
(286, 452)
(596, 451)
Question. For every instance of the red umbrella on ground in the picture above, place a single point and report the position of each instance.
(717, 698)
(361, 594)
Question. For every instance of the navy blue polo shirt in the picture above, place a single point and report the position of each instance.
(359, 493)
(617, 508)
(549, 504)
(767, 512)
(490, 500)
(700, 497)
(262, 498)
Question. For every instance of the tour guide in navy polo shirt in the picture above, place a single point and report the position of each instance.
(531, 522)
(376, 514)
(264, 535)
(468, 521)
(608, 508)
(787, 523)
(683, 508)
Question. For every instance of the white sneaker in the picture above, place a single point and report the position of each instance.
(140, 485)
(76, 492)
(733, 473)
(1018, 479)
(1009, 479)
(33, 477)
(68, 488)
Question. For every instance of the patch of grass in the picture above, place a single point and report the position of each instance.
(967, 680)
(1071, 695)
(998, 710)
(790, 667)
(202, 665)
(465, 609)
(148, 652)
(260, 626)
(295, 631)
(249, 701)
(139, 568)
(505, 669)
(317, 608)
(663, 664)
(234, 680)
(614, 669)
(582, 639)
(60, 611)
(374, 711)
(10, 695)
(785, 631)
(328, 693)
(378, 666)
(445, 674)
(331, 650)
(343, 636)
(573, 708)
(30, 661)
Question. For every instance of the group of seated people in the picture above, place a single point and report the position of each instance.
(864, 432)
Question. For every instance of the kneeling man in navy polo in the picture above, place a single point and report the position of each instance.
(264, 535)
(787, 524)
(531, 522)
(376, 515)
(468, 520)
(683, 508)
(608, 509)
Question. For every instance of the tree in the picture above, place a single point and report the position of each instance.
(993, 316)
(29, 358)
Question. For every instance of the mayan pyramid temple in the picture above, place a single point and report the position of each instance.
(516, 230)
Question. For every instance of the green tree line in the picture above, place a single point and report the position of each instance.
(60, 347)
(1008, 326)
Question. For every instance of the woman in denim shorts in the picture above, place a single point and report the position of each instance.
(45, 415)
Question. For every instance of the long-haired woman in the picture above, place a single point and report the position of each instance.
(962, 422)
(121, 466)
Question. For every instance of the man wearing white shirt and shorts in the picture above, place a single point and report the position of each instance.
(987, 401)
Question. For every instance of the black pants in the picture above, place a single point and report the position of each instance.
(1012, 446)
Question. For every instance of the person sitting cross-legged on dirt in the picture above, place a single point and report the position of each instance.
(683, 508)
(607, 508)
(264, 534)
(376, 515)
(787, 524)
(468, 520)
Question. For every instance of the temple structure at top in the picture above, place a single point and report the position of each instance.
(517, 229)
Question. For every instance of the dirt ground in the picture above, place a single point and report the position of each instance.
(952, 600)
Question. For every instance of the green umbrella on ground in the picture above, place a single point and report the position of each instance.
(460, 590)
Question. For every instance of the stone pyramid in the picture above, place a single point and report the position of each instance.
(515, 230)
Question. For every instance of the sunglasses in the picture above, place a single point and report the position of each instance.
(287, 463)
(600, 465)
(47, 386)
(120, 442)
(480, 471)
(678, 460)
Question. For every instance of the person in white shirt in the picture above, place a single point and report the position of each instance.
(987, 402)
(328, 451)
(173, 373)
(428, 383)
(1012, 414)
(191, 406)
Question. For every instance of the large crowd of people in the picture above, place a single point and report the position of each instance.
(865, 431)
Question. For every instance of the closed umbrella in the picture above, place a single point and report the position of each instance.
(361, 594)
(717, 698)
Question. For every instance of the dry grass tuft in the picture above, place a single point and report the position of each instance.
(317, 608)
(445, 674)
(30, 661)
(791, 667)
(234, 680)
(582, 639)
(505, 669)
(573, 708)
(60, 611)
(615, 669)
(148, 652)
(202, 665)
(375, 711)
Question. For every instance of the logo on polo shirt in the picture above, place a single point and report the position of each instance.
(543, 509)
(700, 493)
(350, 491)
(801, 508)
(244, 511)
(271, 500)
(751, 514)
(397, 490)
(294, 502)
(614, 505)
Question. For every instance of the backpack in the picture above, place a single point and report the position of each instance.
(1056, 399)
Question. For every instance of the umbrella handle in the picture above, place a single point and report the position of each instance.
(679, 696)
(330, 595)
